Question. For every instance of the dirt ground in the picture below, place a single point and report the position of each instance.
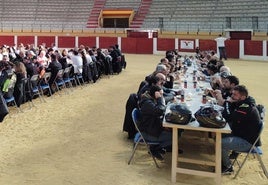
(77, 138)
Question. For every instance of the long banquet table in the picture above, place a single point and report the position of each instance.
(193, 99)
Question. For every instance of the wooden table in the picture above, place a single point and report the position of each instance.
(193, 98)
(175, 141)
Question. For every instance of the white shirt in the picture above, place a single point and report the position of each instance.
(220, 41)
(89, 59)
(77, 63)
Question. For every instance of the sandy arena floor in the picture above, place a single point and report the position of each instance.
(77, 139)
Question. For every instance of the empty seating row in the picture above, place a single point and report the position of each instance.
(173, 12)
(41, 11)
(212, 13)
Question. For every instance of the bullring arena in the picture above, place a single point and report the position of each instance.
(77, 138)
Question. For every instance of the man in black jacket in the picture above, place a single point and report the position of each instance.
(240, 111)
(54, 67)
(117, 67)
(153, 108)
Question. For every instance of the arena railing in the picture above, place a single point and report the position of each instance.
(182, 27)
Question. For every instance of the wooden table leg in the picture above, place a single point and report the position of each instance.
(218, 158)
(174, 154)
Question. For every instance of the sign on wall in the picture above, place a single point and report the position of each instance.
(187, 44)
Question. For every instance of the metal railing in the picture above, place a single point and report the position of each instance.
(179, 27)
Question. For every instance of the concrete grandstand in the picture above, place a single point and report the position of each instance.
(168, 23)
(167, 15)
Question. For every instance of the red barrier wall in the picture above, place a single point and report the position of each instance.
(26, 40)
(144, 46)
(165, 44)
(206, 45)
(253, 47)
(7, 40)
(128, 45)
(66, 42)
(137, 45)
(87, 41)
(240, 35)
(106, 42)
(45, 39)
(232, 48)
(137, 34)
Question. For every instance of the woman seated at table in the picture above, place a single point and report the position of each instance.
(153, 108)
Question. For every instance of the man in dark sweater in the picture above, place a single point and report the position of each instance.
(242, 115)
(54, 67)
(152, 107)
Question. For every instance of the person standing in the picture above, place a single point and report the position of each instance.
(20, 71)
(221, 46)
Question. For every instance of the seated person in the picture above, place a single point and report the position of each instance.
(241, 112)
(209, 69)
(152, 107)
(163, 61)
(53, 67)
(225, 69)
(160, 80)
(7, 79)
(169, 77)
(214, 76)
(172, 75)
(3, 74)
(226, 92)
(160, 68)
(153, 80)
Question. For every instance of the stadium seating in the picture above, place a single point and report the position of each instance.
(134, 4)
(167, 15)
(209, 16)
(94, 14)
(45, 14)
